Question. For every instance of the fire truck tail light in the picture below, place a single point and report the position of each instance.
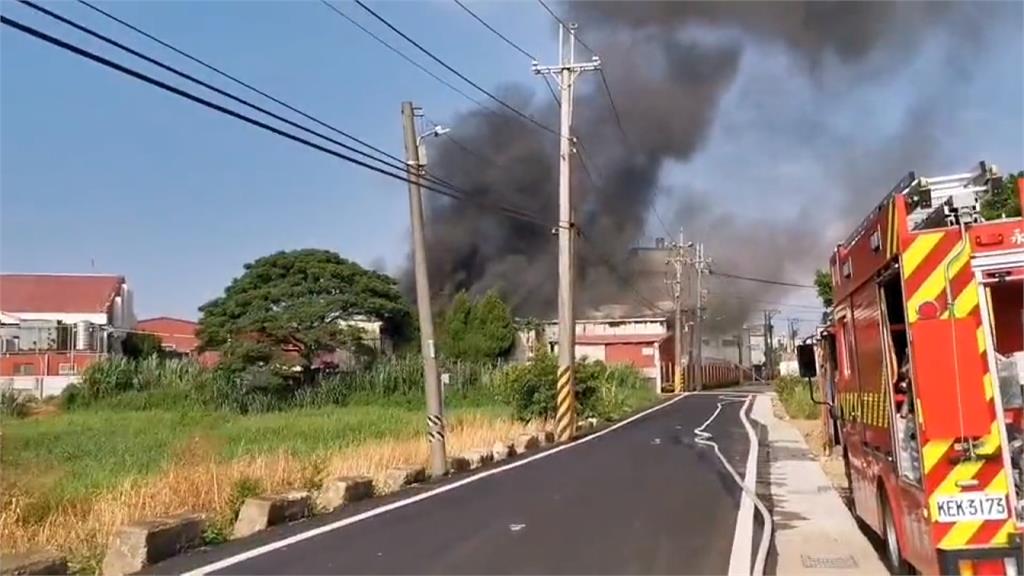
(965, 567)
(928, 310)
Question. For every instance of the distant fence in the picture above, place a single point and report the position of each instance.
(721, 373)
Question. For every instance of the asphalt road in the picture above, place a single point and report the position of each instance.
(640, 499)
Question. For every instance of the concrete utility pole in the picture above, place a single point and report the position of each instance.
(701, 266)
(769, 345)
(677, 260)
(793, 325)
(435, 402)
(565, 73)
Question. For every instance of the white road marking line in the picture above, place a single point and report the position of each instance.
(739, 558)
(751, 483)
(261, 550)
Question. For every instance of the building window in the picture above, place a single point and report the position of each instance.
(24, 369)
(705, 341)
(730, 342)
(66, 369)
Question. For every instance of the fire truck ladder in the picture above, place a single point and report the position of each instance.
(944, 201)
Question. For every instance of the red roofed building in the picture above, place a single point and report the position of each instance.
(176, 334)
(179, 336)
(54, 325)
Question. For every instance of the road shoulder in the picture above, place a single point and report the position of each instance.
(814, 531)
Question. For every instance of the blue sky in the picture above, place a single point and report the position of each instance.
(101, 173)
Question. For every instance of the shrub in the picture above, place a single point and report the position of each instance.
(530, 388)
(796, 398)
(610, 392)
(14, 405)
(602, 391)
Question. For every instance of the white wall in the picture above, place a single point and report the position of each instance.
(38, 386)
(611, 327)
(67, 318)
(591, 351)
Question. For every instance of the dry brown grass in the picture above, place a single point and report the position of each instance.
(198, 482)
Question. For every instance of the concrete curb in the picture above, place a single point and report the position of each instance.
(33, 562)
(525, 442)
(337, 492)
(502, 450)
(263, 511)
(398, 478)
(478, 458)
(457, 464)
(135, 546)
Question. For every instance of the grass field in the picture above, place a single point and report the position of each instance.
(70, 479)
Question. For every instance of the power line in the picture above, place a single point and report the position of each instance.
(507, 40)
(208, 86)
(625, 282)
(458, 144)
(247, 119)
(554, 96)
(586, 169)
(464, 148)
(563, 23)
(236, 80)
(448, 67)
(515, 46)
(405, 56)
(611, 101)
(738, 298)
(397, 163)
(551, 89)
(615, 109)
(761, 280)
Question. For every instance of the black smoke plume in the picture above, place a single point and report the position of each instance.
(669, 65)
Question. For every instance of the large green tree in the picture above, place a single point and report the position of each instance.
(299, 302)
(823, 284)
(481, 330)
(1004, 201)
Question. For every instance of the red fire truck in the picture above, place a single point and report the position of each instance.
(926, 358)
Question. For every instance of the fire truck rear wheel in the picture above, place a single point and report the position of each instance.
(893, 553)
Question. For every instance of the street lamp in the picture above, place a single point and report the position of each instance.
(433, 132)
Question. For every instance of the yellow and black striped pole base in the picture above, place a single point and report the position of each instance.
(565, 408)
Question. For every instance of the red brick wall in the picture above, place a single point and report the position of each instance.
(45, 364)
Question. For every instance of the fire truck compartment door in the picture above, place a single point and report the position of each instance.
(940, 351)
